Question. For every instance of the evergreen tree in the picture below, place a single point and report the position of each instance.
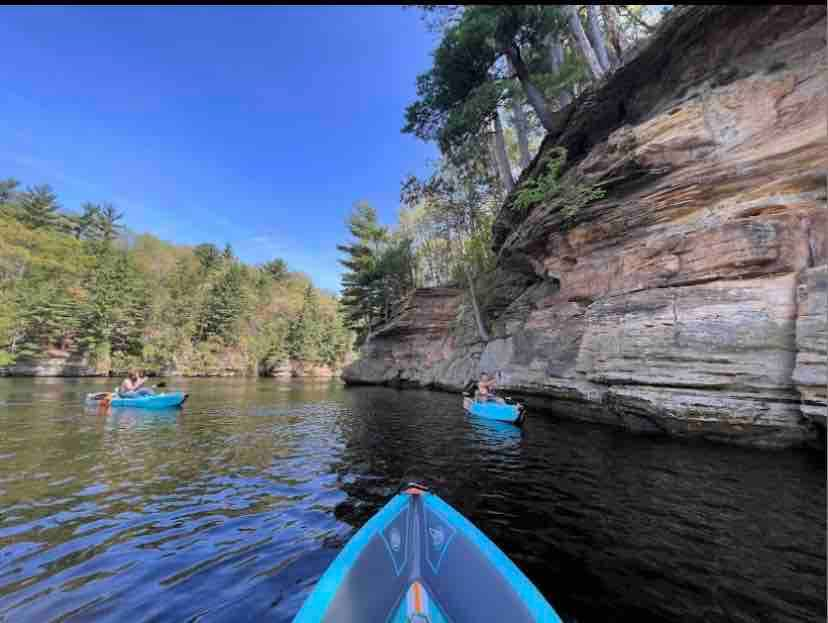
(38, 207)
(48, 318)
(87, 225)
(114, 315)
(109, 224)
(367, 286)
(208, 256)
(8, 193)
(7, 189)
(305, 335)
(334, 342)
(277, 269)
(223, 306)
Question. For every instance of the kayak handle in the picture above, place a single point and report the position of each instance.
(418, 488)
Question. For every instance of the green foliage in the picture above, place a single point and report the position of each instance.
(8, 190)
(222, 311)
(304, 338)
(277, 269)
(549, 187)
(208, 255)
(87, 224)
(38, 207)
(109, 224)
(115, 311)
(67, 286)
(459, 96)
(380, 271)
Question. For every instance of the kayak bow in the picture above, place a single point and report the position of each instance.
(418, 559)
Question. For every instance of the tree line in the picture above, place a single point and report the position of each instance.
(78, 284)
(500, 77)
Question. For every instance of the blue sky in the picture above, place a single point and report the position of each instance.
(257, 126)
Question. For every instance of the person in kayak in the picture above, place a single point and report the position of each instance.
(132, 386)
(485, 389)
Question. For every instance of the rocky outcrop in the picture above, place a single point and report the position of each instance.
(293, 368)
(54, 363)
(811, 339)
(222, 363)
(424, 346)
(691, 299)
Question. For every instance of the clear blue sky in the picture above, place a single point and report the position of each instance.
(257, 126)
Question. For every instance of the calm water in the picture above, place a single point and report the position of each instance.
(230, 509)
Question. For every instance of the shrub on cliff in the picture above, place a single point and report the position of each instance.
(549, 187)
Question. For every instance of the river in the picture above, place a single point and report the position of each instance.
(232, 507)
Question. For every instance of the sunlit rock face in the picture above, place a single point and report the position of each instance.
(692, 299)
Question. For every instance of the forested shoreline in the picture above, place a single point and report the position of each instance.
(79, 287)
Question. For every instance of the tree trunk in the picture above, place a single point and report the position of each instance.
(555, 59)
(521, 127)
(533, 94)
(385, 296)
(481, 328)
(596, 37)
(613, 31)
(493, 157)
(581, 39)
(503, 166)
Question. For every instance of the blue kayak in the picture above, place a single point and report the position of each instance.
(155, 401)
(512, 413)
(419, 560)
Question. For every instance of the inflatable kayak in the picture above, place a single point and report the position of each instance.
(155, 401)
(512, 413)
(419, 560)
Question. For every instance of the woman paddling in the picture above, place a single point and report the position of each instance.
(132, 386)
(485, 390)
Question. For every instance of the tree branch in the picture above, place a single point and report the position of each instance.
(635, 18)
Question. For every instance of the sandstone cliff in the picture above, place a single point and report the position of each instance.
(692, 299)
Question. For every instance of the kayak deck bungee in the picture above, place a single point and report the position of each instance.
(501, 412)
(419, 560)
(154, 401)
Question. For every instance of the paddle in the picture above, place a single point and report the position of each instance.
(101, 395)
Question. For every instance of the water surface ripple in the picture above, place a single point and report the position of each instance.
(231, 508)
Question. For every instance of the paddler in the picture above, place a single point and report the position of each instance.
(132, 385)
(485, 389)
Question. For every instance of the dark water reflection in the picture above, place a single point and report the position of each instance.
(230, 509)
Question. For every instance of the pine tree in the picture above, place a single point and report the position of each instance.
(114, 315)
(223, 307)
(109, 222)
(8, 190)
(38, 207)
(48, 316)
(361, 288)
(305, 334)
(277, 269)
(335, 342)
(208, 256)
(87, 225)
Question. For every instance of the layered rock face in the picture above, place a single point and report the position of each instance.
(427, 345)
(811, 340)
(54, 364)
(692, 299)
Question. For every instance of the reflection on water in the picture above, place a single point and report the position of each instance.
(230, 508)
